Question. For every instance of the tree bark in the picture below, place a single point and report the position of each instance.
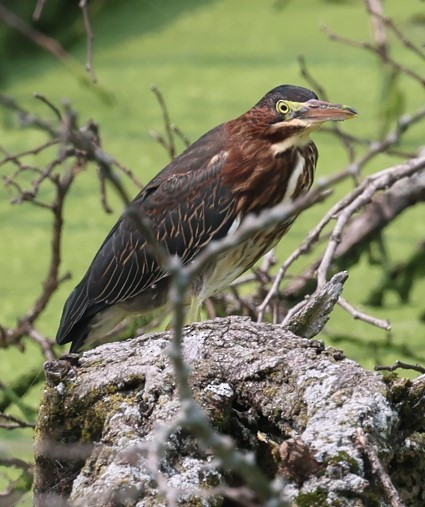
(299, 406)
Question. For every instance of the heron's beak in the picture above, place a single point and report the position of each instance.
(319, 111)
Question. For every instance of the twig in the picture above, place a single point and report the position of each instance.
(181, 135)
(379, 31)
(377, 13)
(401, 364)
(49, 104)
(389, 490)
(369, 47)
(128, 172)
(18, 156)
(38, 38)
(169, 144)
(310, 79)
(358, 315)
(38, 9)
(378, 147)
(47, 346)
(90, 39)
(359, 198)
(11, 422)
(26, 117)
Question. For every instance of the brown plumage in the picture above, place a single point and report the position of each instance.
(249, 164)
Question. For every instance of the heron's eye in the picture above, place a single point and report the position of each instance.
(282, 107)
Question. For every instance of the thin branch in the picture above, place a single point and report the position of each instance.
(46, 345)
(305, 72)
(185, 140)
(90, 39)
(169, 144)
(391, 494)
(400, 364)
(9, 422)
(38, 9)
(27, 118)
(359, 198)
(38, 38)
(407, 43)
(49, 104)
(379, 29)
(358, 315)
(369, 47)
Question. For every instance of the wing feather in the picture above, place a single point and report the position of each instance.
(187, 206)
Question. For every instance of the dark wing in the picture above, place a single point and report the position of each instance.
(187, 207)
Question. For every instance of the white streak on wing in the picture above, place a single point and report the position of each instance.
(216, 158)
(293, 180)
(233, 228)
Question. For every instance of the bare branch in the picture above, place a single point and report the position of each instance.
(9, 422)
(358, 315)
(390, 492)
(90, 39)
(369, 47)
(27, 119)
(379, 30)
(305, 72)
(38, 38)
(401, 364)
(359, 198)
(168, 144)
(377, 13)
(38, 9)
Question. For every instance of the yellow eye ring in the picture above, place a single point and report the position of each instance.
(282, 107)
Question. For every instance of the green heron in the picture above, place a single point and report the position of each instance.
(254, 162)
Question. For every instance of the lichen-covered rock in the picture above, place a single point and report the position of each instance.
(106, 435)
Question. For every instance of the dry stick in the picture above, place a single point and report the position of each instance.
(169, 145)
(392, 26)
(13, 422)
(24, 115)
(363, 194)
(310, 79)
(378, 147)
(369, 47)
(378, 26)
(50, 105)
(12, 158)
(90, 39)
(52, 280)
(38, 9)
(294, 310)
(103, 196)
(358, 315)
(38, 38)
(358, 198)
(128, 172)
(181, 135)
(193, 417)
(45, 344)
(82, 143)
(389, 490)
(401, 364)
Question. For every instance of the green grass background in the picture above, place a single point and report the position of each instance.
(212, 59)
